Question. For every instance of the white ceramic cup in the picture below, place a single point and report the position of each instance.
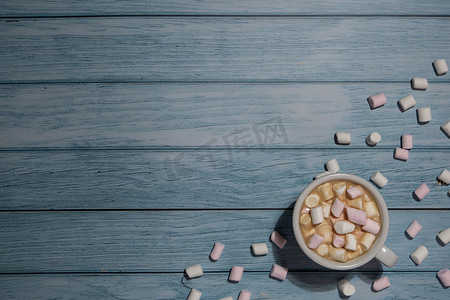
(378, 249)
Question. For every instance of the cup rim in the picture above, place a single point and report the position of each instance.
(361, 260)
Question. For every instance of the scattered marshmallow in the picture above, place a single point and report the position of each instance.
(440, 67)
(226, 298)
(316, 215)
(350, 242)
(422, 191)
(424, 115)
(278, 239)
(278, 272)
(194, 295)
(379, 179)
(346, 287)
(444, 277)
(367, 240)
(338, 240)
(217, 250)
(419, 255)
(446, 128)
(354, 192)
(377, 100)
(194, 271)
(236, 274)
(322, 174)
(356, 216)
(401, 154)
(343, 138)
(260, 249)
(332, 166)
(244, 295)
(419, 83)
(315, 241)
(337, 207)
(343, 227)
(445, 176)
(444, 236)
(371, 226)
(406, 103)
(407, 141)
(373, 139)
(381, 283)
(413, 229)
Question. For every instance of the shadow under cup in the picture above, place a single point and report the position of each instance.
(378, 245)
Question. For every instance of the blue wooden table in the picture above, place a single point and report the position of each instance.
(136, 134)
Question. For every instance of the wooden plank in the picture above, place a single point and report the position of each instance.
(13, 8)
(221, 49)
(404, 285)
(130, 115)
(143, 179)
(163, 241)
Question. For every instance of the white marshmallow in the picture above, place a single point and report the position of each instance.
(326, 191)
(322, 174)
(440, 67)
(373, 139)
(194, 295)
(260, 249)
(194, 271)
(379, 179)
(323, 249)
(346, 287)
(343, 227)
(338, 254)
(424, 114)
(419, 255)
(316, 215)
(445, 176)
(343, 138)
(339, 188)
(406, 102)
(446, 128)
(350, 242)
(312, 200)
(419, 83)
(444, 236)
(332, 166)
(367, 240)
(326, 209)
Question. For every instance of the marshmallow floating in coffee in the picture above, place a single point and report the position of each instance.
(315, 241)
(339, 188)
(337, 207)
(373, 139)
(379, 179)
(446, 128)
(413, 229)
(343, 227)
(332, 166)
(278, 272)
(316, 215)
(422, 191)
(278, 239)
(377, 100)
(367, 240)
(194, 295)
(444, 176)
(338, 240)
(444, 236)
(401, 154)
(338, 254)
(194, 271)
(236, 274)
(244, 295)
(350, 242)
(356, 216)
(371, 226)
(355, 192)
(406, 103)
(440, 67)
(407, 141)
(444, 277)
(259, 249)
(217, 251)
(346, 288)
(381, 283)
(343, 138)
(419, 255)
(418, 83)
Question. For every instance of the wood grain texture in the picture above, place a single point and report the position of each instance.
(135, 115)
(162, 241)
(11, 8)
(191, 179)
(404, 285)
(221, 49)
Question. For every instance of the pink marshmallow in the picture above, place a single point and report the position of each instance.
(337, 207)
(356, 216)
(444, 277)
(278, 239)
(236, 274)
(377, 100)
(354, 192)
(407, 141)
(414, 229)
(244, 295)
(216, 252)
(381, 283)
(338, 241)
(278, 272)
(401, 154)
(315, 241)
(422, 191)
(371, 226)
